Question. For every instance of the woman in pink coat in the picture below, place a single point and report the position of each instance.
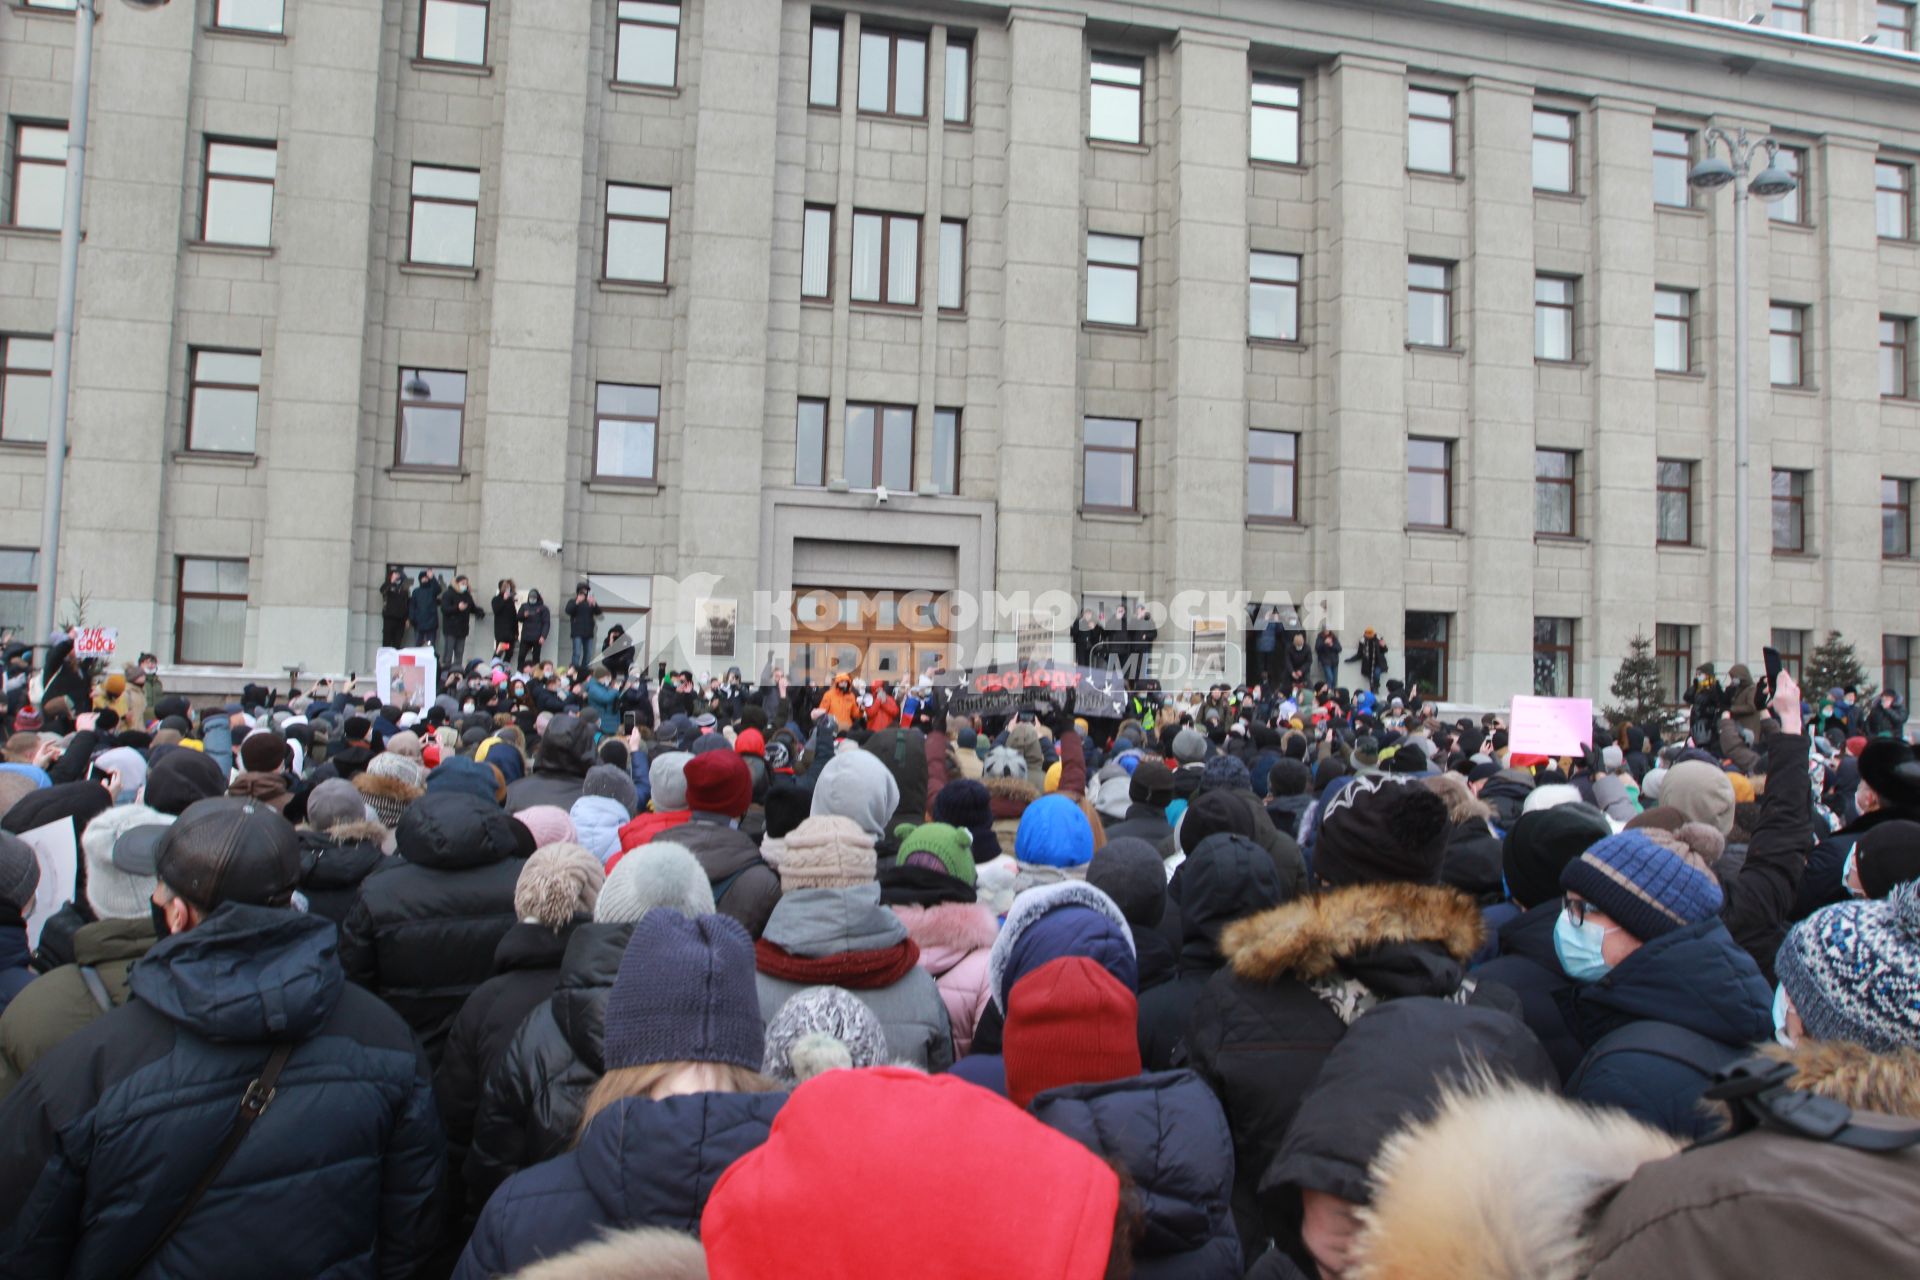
(931, 888)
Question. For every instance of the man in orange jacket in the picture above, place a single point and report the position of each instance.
(840, 703)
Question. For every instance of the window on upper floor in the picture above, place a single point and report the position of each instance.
(823, 68)
(223, 401)
(237, 198)
(1430, 119)
(647, 42)
(250, 15)
(444, 212)
(39, 189)
(1672, 163)
(1673, 330)
(1113, 279)
(1553, 317)
(1275, 132)
(893, 74)
(1554, 133)
(454, 31)
(1893, 200)
(1792, 207)
(433, 415)
(638, 221)
(626, 430)
(1429, 303)
(1554, 472)
(1273, 296)
(886, 258)
(1115, 98)
(26, 388)
(210, 611)
(1787, 344)
(958, 107)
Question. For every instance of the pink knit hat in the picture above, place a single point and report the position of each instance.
(549, 825)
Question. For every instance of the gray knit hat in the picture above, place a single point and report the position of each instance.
(819, 1029)
(407, 769)
(667, 775)
(614, 783)
(656, 874)
(685, 993)
(1853, 971)
(556, 884)
(19, 871)
(1189, 746)
(334, 803)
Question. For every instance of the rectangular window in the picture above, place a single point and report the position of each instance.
(893, 74)
(1896, 667)
(886, 258)
(1430, 131)
(1109, 464)
(810, 444)
(1786, 344)
(823, 73)
(1553, 138)
(210, 612)
(446, 207)
(1553, 497)
(1893, 23)
(433, 410)
(1896, 357)
(1273, 476)
(1893, 200)
(454, 31)
(946, 451)
(1113, 279)
(1276, 121)
(1114, 99)
(1674, 492)
(223, 401)
(1789, 511)
(1673, 652)
(1672, 330)
(19, 586)
(626, 431)
(1792, 207)
(1273, 296)
(67, 5)
(1789, 15)
(953, 265)
(816, 252)
(638, 219)
(1553, 657)
(1896, 519)
(1426, 652)
(1429, 483)
(880, 447)
(26, 389)
(237, 202)
(1675, 6)
(39, 176)
(1429, 303)
(1793, 649)
(959, 92)
(1672, 160)
(647, 43)
(250, 15)
(1552, 318)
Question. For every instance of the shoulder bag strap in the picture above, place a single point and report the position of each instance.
(253, 1105)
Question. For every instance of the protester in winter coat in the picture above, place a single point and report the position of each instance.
(1392, 1068)
(560, 765)
(393, 610)
(857, 785)
(1851, 973)
(840, 703)
(1888, 791)
(931, 889)
(556, 891)
(119, 883)
(822, 1029)
(1883, 859)
(1287, 796)
(1472, 859)
(1053, 842)
(19, 881)
(423, 610)
(866, 1135)
(1149, 792)
(506, 620)
(531, 1102)
(106, 1137)
(1510, 1181)
(1072, 1060)
(839, 935)
(1380, 927)
(535, 621)
(1228, 878)
(423, 934)
(605, 805)
(1132, 874)
(682, 1099)
(340, 846)
(719, 792)
(1236, 810)
(390, 784)
(667, 779)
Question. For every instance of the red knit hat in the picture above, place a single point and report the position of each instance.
(751, 743)
(1069, 1022)
(718, 782)
(800, 1207)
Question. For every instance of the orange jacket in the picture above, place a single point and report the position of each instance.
(840, 703)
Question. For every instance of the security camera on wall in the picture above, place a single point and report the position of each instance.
(549, 548)
(880, 496)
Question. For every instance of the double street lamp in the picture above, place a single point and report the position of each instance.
(1713, 172)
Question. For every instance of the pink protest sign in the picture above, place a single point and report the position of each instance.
(1551, 726)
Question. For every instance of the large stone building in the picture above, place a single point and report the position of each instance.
(1407, 300)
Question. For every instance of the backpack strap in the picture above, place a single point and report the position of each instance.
(90, 977)
(254, 1102)
(1701, 1055)
(1757, 1092)
(725, 882)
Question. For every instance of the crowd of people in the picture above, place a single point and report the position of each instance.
(575, 973)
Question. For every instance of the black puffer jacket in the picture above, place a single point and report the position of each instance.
(560, 765)
(422, 935)
(526, 966)
(1227, 877)
(333, 865)
(1506, 793)
(531, 1102)
(1167, 1129)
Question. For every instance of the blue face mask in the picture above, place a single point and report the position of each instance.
(1578, 946)
(1780, 1031)
(1846, 875)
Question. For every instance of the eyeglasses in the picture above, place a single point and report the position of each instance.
(1578, 909)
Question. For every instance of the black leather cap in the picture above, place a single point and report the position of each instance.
(230, 849)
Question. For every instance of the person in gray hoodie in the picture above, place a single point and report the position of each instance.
(829, 929)
(560, 765)
(856, 785)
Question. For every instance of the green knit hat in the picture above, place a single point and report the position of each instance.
(950, 847)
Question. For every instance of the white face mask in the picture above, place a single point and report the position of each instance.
(1780, 1007)
(467, 706)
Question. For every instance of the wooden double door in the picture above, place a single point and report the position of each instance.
(875, 634)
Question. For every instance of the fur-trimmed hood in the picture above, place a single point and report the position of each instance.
(947, 932)
(1888, 1083)
(378, 786)
(650, 1253)
(1310, 937)
(1498, 1185)
(1010, 796)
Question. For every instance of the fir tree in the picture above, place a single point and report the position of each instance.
(1835, 665)
(1636, 686)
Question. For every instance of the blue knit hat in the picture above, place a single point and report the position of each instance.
(1853, 971)
(685, 993)
(1053, 833)
(1647, 888)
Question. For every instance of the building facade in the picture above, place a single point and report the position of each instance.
(1405, 301)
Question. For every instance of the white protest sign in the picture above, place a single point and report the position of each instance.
(58, 853)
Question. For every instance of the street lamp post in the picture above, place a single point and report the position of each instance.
(1772, 182)
(85, 13)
